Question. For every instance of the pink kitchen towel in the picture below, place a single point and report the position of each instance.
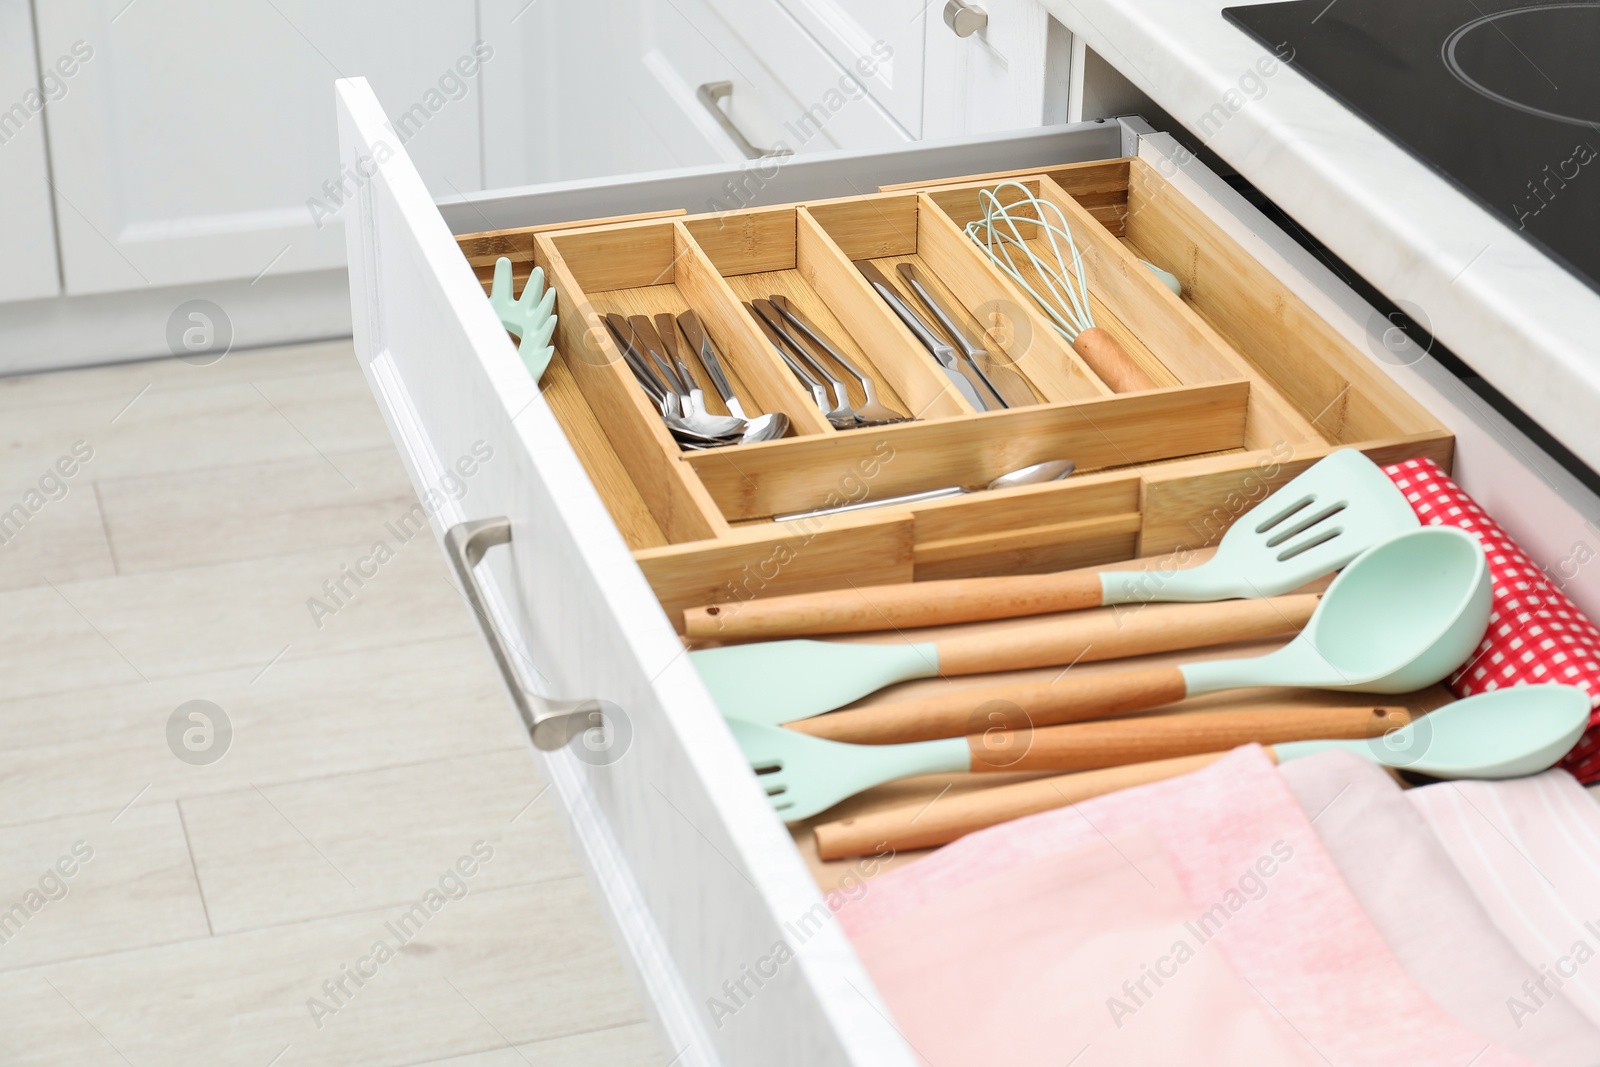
(1261, 890)
(1530, 850)
(1086, 956)
(1536, 633)
(1426, 911)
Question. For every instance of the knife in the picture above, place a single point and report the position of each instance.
(965, 380)
(970, 347)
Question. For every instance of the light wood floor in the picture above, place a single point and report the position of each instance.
(369, 755)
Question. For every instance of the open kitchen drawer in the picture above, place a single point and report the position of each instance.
(699, 879)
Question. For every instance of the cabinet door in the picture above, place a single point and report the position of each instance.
(851, 29)
(28, 265)
(196, 142)
(1010, 75)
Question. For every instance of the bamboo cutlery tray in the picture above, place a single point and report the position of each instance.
(1252, 387)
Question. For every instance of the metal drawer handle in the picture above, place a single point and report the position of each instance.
(709, 95)
(965, 19)
(551, 723)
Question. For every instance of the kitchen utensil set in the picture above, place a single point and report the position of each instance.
(1408, 608)
(652, 352)
(530, 317)
(1065, 300)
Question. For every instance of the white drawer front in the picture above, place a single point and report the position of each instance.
(699, 879)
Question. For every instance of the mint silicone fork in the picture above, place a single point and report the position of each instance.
(531, 317)
(1336, 509)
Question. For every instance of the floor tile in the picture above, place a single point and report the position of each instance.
(622, 1046)
(122, 381)
(51, 531)
(515, 965)
(96, 883)
(300, 850)
(227, 514)
(242, 614)
(89, 749)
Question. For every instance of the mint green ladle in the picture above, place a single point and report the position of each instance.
(1505, 733)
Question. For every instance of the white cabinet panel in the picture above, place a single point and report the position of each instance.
(28, 262)
(1009, 75)
(889, 30)
(626, 75)
(198, 143)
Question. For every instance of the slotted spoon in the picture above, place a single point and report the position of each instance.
(1335, 510)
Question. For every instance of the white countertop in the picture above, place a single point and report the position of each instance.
(1520, 320)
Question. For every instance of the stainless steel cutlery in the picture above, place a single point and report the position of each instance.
(661, 371)
(962, 374)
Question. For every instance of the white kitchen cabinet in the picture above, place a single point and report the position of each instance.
(197, 143)
(28, 251)
(1011, 74)
(695, 874)
(890, 31)
(612, 87)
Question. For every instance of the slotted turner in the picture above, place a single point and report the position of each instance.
(805, 775)
(1339, 507)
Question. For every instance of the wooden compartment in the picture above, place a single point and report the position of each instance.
(1252, 388)
(763, 252)
(1030, 360)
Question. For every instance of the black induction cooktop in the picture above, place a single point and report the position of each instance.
(1501, 97)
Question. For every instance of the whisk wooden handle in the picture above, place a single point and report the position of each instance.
(1111, 362)
(923, 825)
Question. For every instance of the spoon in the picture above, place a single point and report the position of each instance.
(1504, 733)
(768, 427)
(1400, 617)
(1052, 470)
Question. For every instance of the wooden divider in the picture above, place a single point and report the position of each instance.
(1081, 522)
(516, 244)
(795, 475)
(772, 559)
(1345, 396)
(899, 355)
(1100, 186)
(742, 345)
(682, 508)
(1179, 336)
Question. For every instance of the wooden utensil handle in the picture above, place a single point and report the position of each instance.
(1070, 698)
(1114, 744)
(1121, 632)
(1111, 362)
(898, 606)
(923, 825)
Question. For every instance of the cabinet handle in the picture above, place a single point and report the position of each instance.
(964, 18)
(551, 723)
(709, 95)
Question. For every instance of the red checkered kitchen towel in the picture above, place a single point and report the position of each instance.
(1536, 633)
